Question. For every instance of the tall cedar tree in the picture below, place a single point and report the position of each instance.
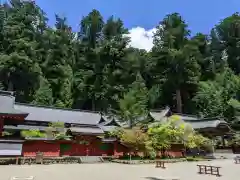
(133, 106)
(58, 63)
(19, 69)
(95, 68)
(175, 58)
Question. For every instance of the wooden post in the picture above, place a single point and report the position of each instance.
(130, 157)
(213, 146)
(87, 151)
(218, 174)
(1, 126)
(223, 141)
(16, 160)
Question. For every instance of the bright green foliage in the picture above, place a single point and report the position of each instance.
(134, 139)
(163, 135)
(117, 133)
(197, 141)
(51, 132)
(159, 137)
(133, 106)
(32, 133)
(62, 136)
(213, 96)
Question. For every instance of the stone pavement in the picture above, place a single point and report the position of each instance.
(112, 171)
(225, 155)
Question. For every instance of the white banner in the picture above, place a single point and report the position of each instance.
(7, 149)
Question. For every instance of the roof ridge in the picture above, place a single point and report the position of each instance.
(160, 109)
(205, 120)
(189, 115)
(212, 118)
(53, 107)
(7, 93)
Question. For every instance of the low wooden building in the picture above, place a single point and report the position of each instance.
(87, 130)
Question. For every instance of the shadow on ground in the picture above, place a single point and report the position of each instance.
(154, 178)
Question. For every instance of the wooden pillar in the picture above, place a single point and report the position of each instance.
(115, 148)
(223, 141)
(1, 126)
(213, 149)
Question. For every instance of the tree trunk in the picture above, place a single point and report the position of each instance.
(10, 86)
(179, 101)
(130, 123)
(93, 105)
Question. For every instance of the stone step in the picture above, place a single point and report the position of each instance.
(91, 159)
(22, 178)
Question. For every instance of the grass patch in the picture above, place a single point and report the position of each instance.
(194, 158)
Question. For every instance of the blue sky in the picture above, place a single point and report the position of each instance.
(144, 15)
(200, 15)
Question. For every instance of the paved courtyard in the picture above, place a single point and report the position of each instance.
(112, 171)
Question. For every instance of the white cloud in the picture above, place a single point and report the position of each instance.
(141, 38)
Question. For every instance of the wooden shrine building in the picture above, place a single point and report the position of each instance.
(87, 130)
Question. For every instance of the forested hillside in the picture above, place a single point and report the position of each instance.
(95, 69)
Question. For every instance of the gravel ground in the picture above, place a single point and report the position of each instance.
(112, 171)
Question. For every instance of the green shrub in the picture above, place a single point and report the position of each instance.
(32, 133)
(190, 159)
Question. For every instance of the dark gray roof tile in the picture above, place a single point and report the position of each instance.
(207, 124)
(187, 117)
(38, 113)
(7, 105)
(108, 128)
(11, 141)
(111, 121)
(87, 130)
(159, 115)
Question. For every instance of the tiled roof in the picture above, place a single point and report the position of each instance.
(110, 121)
(7, 105)
(87, 130)
(158, 115)
(187, 117)
(108, 128)
(11, 140)
(207, 123)
(39, 113)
